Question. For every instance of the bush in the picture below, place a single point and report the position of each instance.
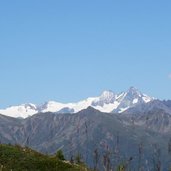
(59, 155)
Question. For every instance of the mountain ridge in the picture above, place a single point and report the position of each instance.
(108, 102)
(87, 130)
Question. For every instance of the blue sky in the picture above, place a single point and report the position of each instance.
(69, 50)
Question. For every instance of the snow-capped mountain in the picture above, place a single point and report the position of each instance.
(22, 111)
(108, 102)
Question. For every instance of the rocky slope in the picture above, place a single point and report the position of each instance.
(90, 130)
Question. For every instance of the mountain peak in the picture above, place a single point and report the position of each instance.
(107, 97)
(132, 88)
(89, 110)
(107, 102)
(107, 94)
(134, 91)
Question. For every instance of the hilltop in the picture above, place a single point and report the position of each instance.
(17, 158)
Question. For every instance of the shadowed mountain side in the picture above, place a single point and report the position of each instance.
(155, 115)
(82, 133)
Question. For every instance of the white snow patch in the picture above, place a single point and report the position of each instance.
(107, 107)
(135, 101)
(23, 111)
(146, 98)
(123, 109)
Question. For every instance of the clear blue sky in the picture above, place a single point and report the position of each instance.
(69, 50)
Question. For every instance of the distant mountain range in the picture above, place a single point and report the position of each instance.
(147, 126)
(108, 102)
(116, 123)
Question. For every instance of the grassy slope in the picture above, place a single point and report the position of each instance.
(17, 158)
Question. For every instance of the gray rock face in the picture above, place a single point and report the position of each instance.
(155, 115)
(66, 110)
(90, 129)
(167, 103)
(153, 105)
